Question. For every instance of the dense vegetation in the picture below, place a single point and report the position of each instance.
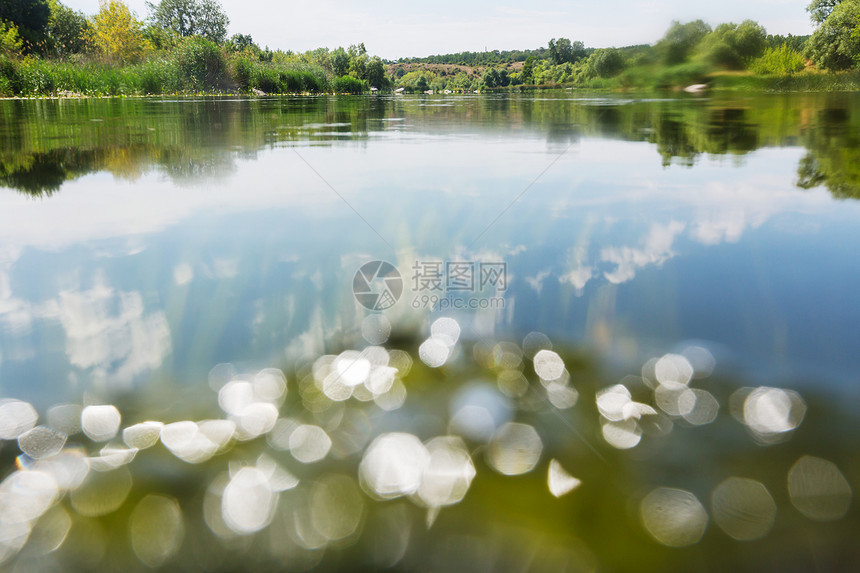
(47, 48)
(183, 46)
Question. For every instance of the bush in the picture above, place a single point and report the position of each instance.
(159, 76)
(348, 85)
(606, 63)
(243, 68)
(782, 60)
(202, 66)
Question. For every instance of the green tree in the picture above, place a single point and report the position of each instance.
(358, 61)
(680, 40)
(835, 45)
(527, 75)
(191, 18)
(67, 29)
(563, 50)
(490, 77)
(116, 33)
(819, 10)
(376, 72)
(339, 60)
(10, 41)
(606, 63)
(421, 84)
(239, 42)
(733, 46)
(30, 17)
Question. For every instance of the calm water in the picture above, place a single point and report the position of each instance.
(153, 251)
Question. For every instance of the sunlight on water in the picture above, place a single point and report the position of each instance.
(818, 489)
(143, 435)
(16, 417)
(514, 449)
(548, 365)
(743, 508)
(353, 406)
(674, 517)
(309, 443)
(100, 423)
(41, 442)
(559, 481)
(393, 465)
(156, 528)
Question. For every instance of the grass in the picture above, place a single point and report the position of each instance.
(192, 68)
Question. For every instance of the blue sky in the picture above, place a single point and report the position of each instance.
(401, 29)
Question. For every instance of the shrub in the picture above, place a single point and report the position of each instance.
(348, 85)
(781, 60)
(243, 68)
(606, 63)
(266, 79)
(202, 66)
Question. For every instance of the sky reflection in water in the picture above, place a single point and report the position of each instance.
(668, 283)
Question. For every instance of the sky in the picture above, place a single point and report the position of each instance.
(395, 29)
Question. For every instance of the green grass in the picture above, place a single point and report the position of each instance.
(193, 67)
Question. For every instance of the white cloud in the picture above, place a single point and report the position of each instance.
(657, 249)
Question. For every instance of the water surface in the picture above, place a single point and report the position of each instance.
(145, 241)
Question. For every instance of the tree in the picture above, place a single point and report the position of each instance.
(835, 45)
(191, 18)
(491, 78)
(239, 42)
(606, 63)
(680, 40)
(376, 72)
(421, 85)
(30, 17)
(358, 61)
(10, 41)
(339, 62)
(733, 46)
(819, 10)
(66, 29)
(527, 75)
(563, 50)
(116, 33)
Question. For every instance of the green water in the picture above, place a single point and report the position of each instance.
(152, 251)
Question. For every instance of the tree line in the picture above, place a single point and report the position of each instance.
(183, 45)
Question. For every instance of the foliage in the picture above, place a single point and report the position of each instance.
(375, 73)
(820, 10)
(339, 60)
(191, 18)
(527, 74)
(680, 40)
(240, 42)
(10, 41)
(66, 29)
(835, 45)
(780, 60)
(606, 63)
(116, 34)
(563, 51)
(795, 42)
(348, 85)
(30, 17)
(731, 46)
(487, 58)
(202, 64)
